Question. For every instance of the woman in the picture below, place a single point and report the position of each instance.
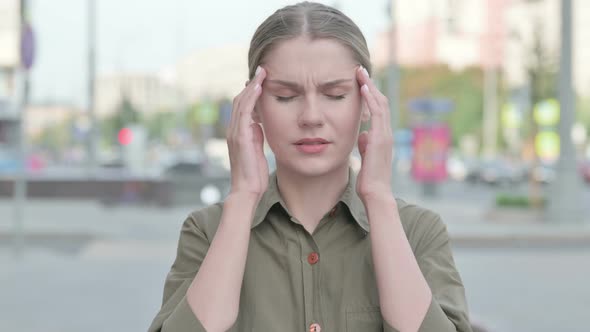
(312, 246)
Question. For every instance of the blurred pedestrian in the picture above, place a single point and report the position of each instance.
(313, 245)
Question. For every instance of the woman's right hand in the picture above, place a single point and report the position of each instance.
(245, 140)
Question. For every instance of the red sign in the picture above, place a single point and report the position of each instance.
(125, 136)
(431, 145)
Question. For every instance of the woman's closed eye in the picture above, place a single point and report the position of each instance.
(284, 99)
(336, 97)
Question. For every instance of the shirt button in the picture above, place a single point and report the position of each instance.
(313, 258)
(315, 327)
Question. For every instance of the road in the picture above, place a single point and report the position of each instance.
(103, 270)
(116, 286)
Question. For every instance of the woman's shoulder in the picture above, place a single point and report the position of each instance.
(420, 224)
(205, 219)
(412, 213)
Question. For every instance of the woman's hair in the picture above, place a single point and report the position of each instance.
(308, 19)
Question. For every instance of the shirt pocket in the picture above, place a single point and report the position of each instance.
(364, 319)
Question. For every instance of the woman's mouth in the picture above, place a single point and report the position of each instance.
(311, 145)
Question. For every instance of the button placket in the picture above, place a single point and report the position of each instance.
(307, 274)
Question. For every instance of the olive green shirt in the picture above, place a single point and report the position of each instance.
(294, 279)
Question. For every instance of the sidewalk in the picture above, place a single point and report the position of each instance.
(483, 225)
(469, 225)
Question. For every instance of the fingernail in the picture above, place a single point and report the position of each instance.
(257, 86)
(365, 87)
(365, 72)
(257, 71)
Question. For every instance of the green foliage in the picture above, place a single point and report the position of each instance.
(517, 201)
(463, 88)
(583, 112)
(160, 124)
(542, 68)
(125, 115)
(542, 72)
(56, 137)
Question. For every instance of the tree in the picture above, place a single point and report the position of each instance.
(463, 88)
(541, 72)
(160, 124)
(125, 115)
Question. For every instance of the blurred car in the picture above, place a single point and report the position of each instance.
(184, 168)
(543, 173)
(197, 182)
(456, 168)
(585, 171)
(496, 172)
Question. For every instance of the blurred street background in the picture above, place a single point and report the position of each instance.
(112, 130)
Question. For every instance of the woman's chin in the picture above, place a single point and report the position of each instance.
(312, 168)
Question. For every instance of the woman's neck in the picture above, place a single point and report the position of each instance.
(310, 198)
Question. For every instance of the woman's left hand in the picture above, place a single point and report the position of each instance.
(376, 145)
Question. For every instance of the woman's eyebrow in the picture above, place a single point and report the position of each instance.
(324, 85)
(333, 83)
(291, 85)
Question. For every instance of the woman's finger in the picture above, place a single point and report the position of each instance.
(377, 102)
(248, 101)
(237, 109)
(234, 114)
(370, 100)
(364, 78)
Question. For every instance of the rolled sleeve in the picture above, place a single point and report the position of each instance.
(388, 328)
(175, 313)
(435, 321)
(182, 319)
(448, 308)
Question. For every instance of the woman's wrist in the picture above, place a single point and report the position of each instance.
(245, 197)
(378, 198)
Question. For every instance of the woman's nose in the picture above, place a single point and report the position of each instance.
(311, 115)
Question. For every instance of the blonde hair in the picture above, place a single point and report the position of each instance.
(310, 19)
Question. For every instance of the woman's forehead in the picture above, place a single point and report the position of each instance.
(318, 56)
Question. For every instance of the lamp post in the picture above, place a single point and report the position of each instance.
(26, 51)
(393, 81)
(91, 139)
(565, 205)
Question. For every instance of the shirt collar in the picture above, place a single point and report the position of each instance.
(349, 197)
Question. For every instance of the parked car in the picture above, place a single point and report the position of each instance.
(197, 182)
(543, 173)
(585, 171)
(496, 172)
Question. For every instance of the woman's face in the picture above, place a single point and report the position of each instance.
(310, 106)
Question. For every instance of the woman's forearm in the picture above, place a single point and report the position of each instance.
(214, 294)
(404, 294)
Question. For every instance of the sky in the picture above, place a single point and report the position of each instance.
(148, 35)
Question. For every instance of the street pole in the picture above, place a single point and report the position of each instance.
(20, 181)
(490, 124)
(565, 205)
(91, 139)
(393, 84)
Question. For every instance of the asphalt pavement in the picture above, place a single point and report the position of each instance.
(85, 267)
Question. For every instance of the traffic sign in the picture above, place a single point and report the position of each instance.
(27, 51)
(432, 105)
